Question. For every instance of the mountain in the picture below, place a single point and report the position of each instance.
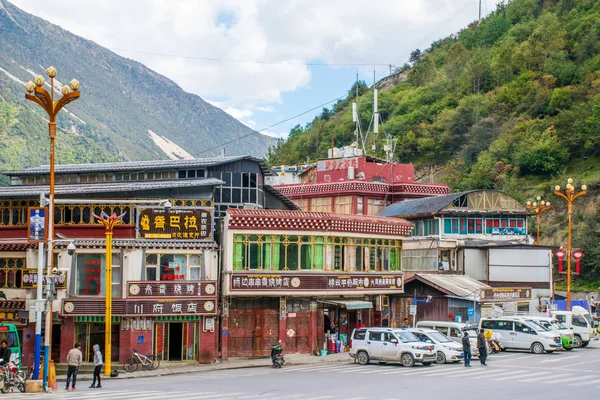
(511, 103)
(125, 108)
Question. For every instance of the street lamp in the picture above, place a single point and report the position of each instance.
(569, 195)
(39, 95)
(109, 222)
(538, 207)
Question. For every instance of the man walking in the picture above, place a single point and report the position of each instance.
(405, 324)
(466, 349)
(482, 346)
(74, 358)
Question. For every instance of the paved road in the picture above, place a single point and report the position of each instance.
(574, 374)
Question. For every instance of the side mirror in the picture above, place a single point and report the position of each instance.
(395, 341)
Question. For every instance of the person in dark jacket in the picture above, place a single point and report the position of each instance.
(466, 349)
(482, 346)
(5, 353)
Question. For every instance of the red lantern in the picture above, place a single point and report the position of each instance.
(561, 255)
(578, 255)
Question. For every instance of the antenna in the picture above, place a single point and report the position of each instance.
(356, 120)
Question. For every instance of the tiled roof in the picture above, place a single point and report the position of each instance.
(453, 285)
(140, 243)
(316, 221)
(286, 200)
(421, 189)
(83, 188)
(16, 245)
(138, 166)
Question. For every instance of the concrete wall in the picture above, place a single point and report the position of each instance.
(475, 263)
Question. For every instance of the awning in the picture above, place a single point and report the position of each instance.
(351, 304)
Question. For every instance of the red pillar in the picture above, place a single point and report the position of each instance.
(138, 339)
(313, 331)
(67, 338)
(225, 338)
(208, 341)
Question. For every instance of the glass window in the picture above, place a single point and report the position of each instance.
(359, 205)
(253, 182)
(360, 334)
(195, 266)
(455, 332)
(321, 204)
(292, 254)
(90, 273)
(236, 196)
(578, 320)
(375, 336)
(173, 267)
(374, 206)
(237, 179)
(523, 328)
(343, 205)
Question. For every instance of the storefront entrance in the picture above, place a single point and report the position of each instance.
(176, 341)
(252, 332)
(298, 334)
(91, 333)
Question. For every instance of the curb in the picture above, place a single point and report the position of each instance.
(211, 368)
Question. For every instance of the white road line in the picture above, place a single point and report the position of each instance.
(528, 376)
(327, 368)
(375, 370)
(573, 378)
(533, 379)
(214, 396)
(320, 398)
(559, 358)
(461, 371)
(585, 383)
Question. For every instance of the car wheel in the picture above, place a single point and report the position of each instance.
(577, 342)
(362, 357)
(407, 360)
(441, 358)
(584, 344)
(537, 348)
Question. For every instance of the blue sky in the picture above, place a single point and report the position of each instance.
(250, 57)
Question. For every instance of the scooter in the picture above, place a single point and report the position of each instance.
(277, 355)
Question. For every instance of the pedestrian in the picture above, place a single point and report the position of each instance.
(97, 366)
(74, 358)
(359, 324)
(405, 324)
(482, 346)
(466, 343)
(5, 353)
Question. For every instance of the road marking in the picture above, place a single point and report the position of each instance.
(575, 378)
(528, 376)
(559, 358)
(534, 379)
(585, 383)
(214, 396)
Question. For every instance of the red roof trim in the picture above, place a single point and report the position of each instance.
(420, 189)
(316, 221)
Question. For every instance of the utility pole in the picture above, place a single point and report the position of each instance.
(479, 19)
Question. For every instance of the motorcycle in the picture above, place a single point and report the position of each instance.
(11, 377)
(277, 355)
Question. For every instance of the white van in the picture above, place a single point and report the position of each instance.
(390, 345)
(552, 324)
(454, 330)
(522, 335)
(580, 322)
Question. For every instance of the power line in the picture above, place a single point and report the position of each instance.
(269, 127)
(226, 60)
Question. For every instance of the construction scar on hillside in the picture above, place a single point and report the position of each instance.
(173, 151)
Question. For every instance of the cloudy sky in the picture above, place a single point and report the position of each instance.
(263, 61)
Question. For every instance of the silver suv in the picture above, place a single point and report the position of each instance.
(390, 345)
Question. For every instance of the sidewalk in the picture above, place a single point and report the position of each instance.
(171, 368)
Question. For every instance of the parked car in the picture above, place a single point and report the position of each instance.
(454, 331)
(522, 335)
(446, 350)
(390, 345)
(552, 324)
(580, 321)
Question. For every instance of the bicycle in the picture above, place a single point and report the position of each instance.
(150, 362)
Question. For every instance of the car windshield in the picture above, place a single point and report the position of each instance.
(558, 325)
(406, 337)
(438, 337)
(588, 318)
(472, 333)
(539, 326)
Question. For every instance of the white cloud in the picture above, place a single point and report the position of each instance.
(291, 31)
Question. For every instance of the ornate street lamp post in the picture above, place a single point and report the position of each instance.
(109, 222)
(538, 207)
(569, 195)
(45, 99)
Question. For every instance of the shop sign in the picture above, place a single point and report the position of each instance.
(10, 310)
(183, 223)
(141, 289)
(273, 282)
(504, 294)
(149, 307)
(337, 164)
(29, 279)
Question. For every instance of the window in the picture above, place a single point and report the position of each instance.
(116, 275)
(387, 337)
(11, 269)
(302, 204)
(343, 205)
(360, 334)
(374, 206)
(168, 267)
(505, 226)
(321, 204)
(455, 332)
(578, 320)
(195, 266)
(90, 273)
(359, 205)
(523, 328)
(190, 173)
(375, 336)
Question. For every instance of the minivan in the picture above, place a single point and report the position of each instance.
(552, 324)
(390, 345)
(455, 331)
(522, 335)
(446, 350)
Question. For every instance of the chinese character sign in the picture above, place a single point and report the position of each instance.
(176, 223)
(29, 279)
(504, 294)
(154, 289)
(36, 224)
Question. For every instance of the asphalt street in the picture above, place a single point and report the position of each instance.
(518, 375)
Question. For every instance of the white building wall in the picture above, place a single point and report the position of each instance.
(474, 263)
(520, 265)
